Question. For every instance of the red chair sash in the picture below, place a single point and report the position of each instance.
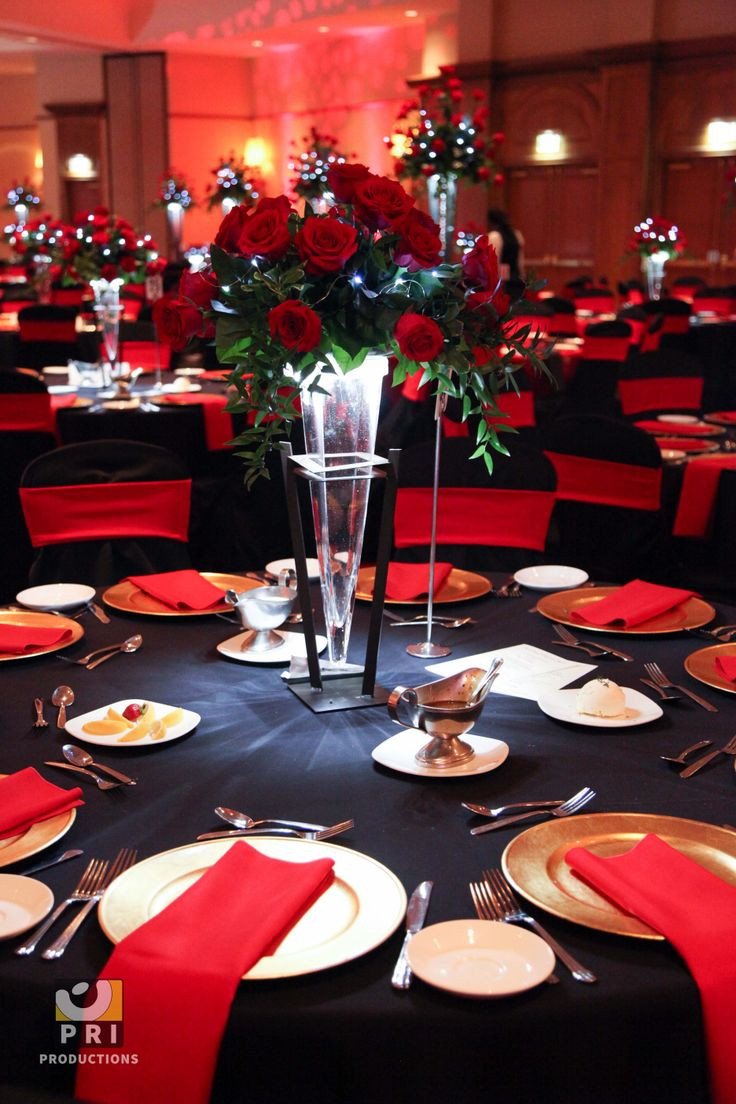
(67, 297)
(519, 408)
(562, 325)
(722, 305)
(26, 411)
(606, 483)
(605, 348)
(698, 495)
(675, 324)
(537, 323)
(412, 388)
(474, 515)
(12, 306)
(660, 392)
(599, 304)
(451, 428)
(100, 511)
(638, 329)
(47, 331)
(148, 355)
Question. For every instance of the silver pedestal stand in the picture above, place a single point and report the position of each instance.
(427, 648)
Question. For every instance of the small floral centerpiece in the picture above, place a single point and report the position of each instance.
(23, 195)
(311, 165)
(101, 246)
(657, 235)
(174, 189)
(293, 297)
(235, 183)
(41, 237)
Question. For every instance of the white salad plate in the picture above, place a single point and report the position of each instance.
(551, 577)
(399, 751)
(55, 596)
(275, 566)
(75, 725)
(560, 704)
(23, 903)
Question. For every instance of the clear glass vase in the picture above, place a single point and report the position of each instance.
(175, 220)
(653, 266)
(108, 309)
(442, 199)
(340, 422)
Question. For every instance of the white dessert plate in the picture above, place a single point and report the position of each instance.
(174, 389)
(684, 419)
(23, 903)
(275, 566)
(61, 388)
(560, 704)
(292, 644)
(551, 577)
(480, 958)
(188, 371)
(672, 454)
(75, 725)
(55, 369)
(362, 908)
(121, 404)
(398, 754)
(55, 596)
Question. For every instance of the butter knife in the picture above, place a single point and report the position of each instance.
(416, 913)
(99, 613)
(689, 771)
(321, 834)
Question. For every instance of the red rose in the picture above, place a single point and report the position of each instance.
(499, 178)
(499, 137)
(228, 235)
(454, 82)
(438, 145)
(419, 338)
(480, 265)
(176, 321)
(428, 170)
(128, 264)
(325, 244)
(108, 272)
(342, 178)
(478, 94)
(481, 355)
(263, 232)
(380, 201)
(199, 288)
(101, 237)
(295, 325)
(456, 118)
(419, 245)
(483, 173)
(456, 95)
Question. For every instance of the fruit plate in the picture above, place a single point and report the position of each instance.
(124, 738)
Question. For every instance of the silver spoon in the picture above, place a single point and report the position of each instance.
(457, 623)
(487, 681)
(82, 758)
(132, 644)
(242, 820)
(62, 697)
(682, 758)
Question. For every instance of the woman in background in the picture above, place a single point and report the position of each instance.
(508, 243)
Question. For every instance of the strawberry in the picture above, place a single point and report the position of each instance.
(134, 711)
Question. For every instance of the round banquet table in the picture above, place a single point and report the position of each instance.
(344, 1034)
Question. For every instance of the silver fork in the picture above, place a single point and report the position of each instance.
(124, 858)
(664, 695)
(84, 660)
(486, 910)
(508, 589)
(501, 894)
(589, 646)
(572, 805)
(657, 675)
(40, 721)
(85, 885)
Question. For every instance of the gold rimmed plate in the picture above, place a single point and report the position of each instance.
(36, 838)
(129, 598)
(459, 586)
(726, 418)
(562, 607)
(702, 666)
(534, 862)
(691, 445)
(364, 905)
(38, 620)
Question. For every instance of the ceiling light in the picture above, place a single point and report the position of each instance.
(548, 143)
(80, 167)
(721, 134)
(323, 29)
(411, 13)
(257, 42)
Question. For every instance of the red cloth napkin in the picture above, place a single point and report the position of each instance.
(180, 971)
(727, 667)
(687, 429)
(26, 798)
(631, 604)
(696, 911)
(699, 493)
(406, 580)
(18, 639)
(726, 415)
(180, 589)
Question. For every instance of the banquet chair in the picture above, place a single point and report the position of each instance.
(98, 511)
(140, 347)
(562, 323)
(632, 293)
(597, 300)
(662, 381)
(715, 300)
(673, 329)
(69, 295)
(608, 517)
(684, 287)
(47, 335)
(180, 429)
(17, 296)
(638, 320)
(607, 341)
(494, 521)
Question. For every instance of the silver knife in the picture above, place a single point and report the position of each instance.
(416, 913)
(294, 833)
(73, 854)
(688, 772)
(695, 697)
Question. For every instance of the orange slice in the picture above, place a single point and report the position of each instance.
(175, 717)
(113, 715)
(104, 727)
(141, 729)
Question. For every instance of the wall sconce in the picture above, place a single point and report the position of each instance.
(80, 167)
(256, 154)
(720, 134)
(548, 143)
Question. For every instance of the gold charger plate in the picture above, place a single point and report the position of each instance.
(36, 838)
(38, 620)
(459, 586)
(561, 606)
(126, 596)
(534, 862)
(702, 666)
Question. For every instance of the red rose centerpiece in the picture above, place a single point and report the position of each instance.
(311, 164)
(656, 240)
(235, 183)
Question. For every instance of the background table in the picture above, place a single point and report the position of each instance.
(345, 1034)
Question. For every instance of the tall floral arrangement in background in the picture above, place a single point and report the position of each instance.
(656, 235)
(311, 164)
(101, 246)
(174, 188)
(23, 194)
(288, 292)
(43, 236)
(235, 182)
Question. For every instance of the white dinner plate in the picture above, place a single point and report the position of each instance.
(362, 908)
(61, 388)
(188, 372)
(23, 903)
(55, 596)
(291, 644)
(398, 753)
(480, 958)
(174, 389)
(75, 725)
(560, 704)
(55, 369)
(684, 419)
(551, 577)
(275, 566)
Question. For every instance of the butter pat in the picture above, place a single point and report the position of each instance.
(601, 698)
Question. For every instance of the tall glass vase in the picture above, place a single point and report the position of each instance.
(175, 220)
(340, 422)
(653, 266)
(108, 310)
(442, 198)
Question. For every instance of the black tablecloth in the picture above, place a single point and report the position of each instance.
(344, 1034)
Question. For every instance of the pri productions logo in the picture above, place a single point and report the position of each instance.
(90, 1014)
